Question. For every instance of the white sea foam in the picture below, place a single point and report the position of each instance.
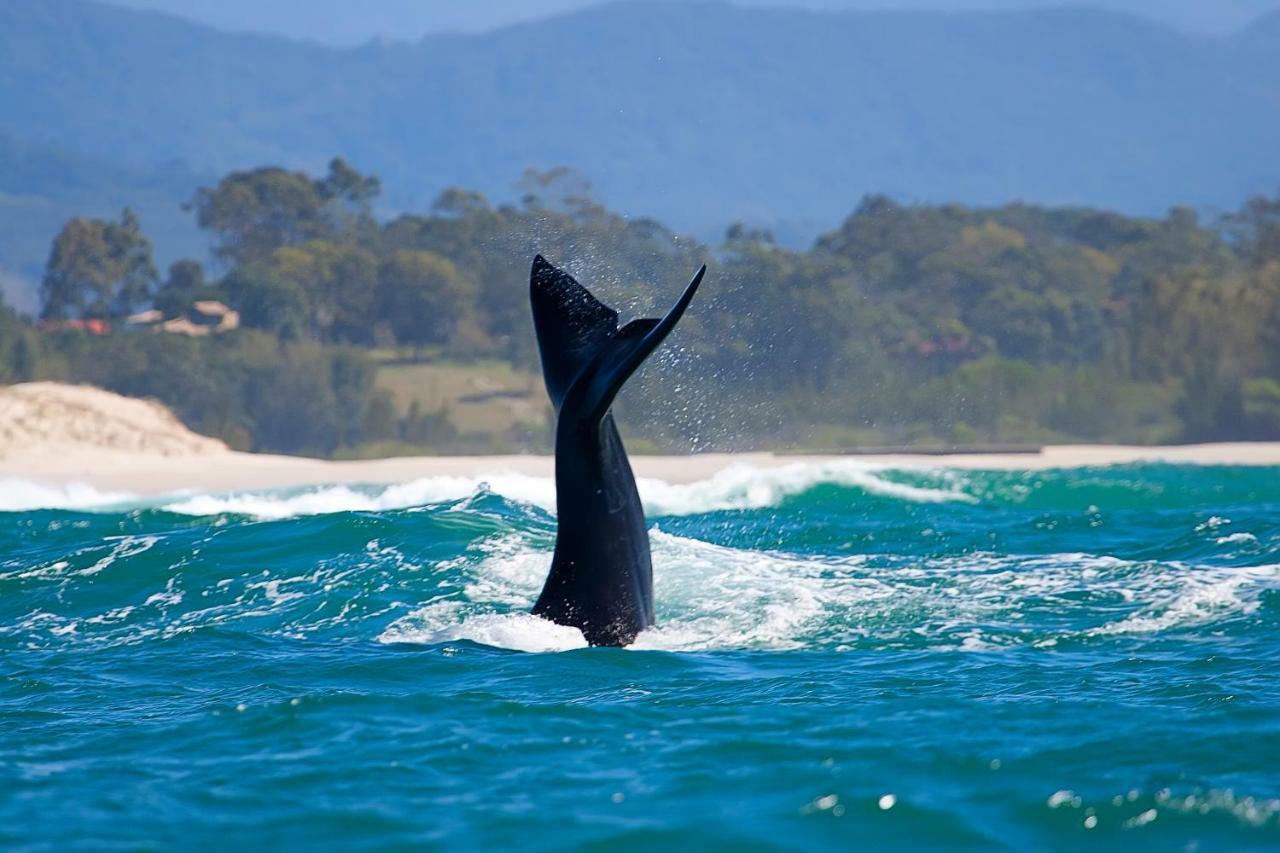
(522, 632)
(709, 596)
(749, 487)
(739, 486)
(735, 487)
(714, 597)
(1199, 595)
(23, 496)
(121, 548)
(321, 500)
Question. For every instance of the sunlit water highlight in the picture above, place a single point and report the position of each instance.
(846, 655)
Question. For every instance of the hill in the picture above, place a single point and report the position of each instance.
(42, 419)
(698, 114)
(343, 23)
(42, 187)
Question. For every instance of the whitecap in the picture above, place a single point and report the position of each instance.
(522, 632)
(1201, 595)
(322, 500)
(708, 596)
(744, 486)
(24, 496)
(712, 597)
(737, 487)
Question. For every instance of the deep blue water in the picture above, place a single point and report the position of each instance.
(846, 657)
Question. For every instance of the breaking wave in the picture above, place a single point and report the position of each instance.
(736, 487)
(18, 495)
(715, 597)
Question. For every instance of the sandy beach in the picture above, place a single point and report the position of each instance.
(59, 434)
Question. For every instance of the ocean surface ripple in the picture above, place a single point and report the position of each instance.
(846, 655)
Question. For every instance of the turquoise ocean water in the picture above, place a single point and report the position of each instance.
(847, 656)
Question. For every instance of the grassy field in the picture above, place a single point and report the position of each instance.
(482, 397)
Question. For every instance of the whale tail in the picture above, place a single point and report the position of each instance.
(586, 358)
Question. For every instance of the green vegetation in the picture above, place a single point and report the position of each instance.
(917, 325)
(484, 400)
(98, 269)
(697, 113)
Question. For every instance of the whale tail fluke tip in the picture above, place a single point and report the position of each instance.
(581, 343)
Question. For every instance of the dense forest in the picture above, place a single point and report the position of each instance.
(936, 325)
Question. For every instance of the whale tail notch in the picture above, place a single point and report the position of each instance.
(586, 358)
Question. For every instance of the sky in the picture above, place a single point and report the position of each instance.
(343, 22)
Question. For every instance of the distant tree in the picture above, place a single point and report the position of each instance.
(455, 202)
(1262, 409)
(269, 301)
(18, 355)
(182, 286)
(1257, 229)
(380, 422)
(348, 196)
(740, 232)
(1212, 402)
(98, 268)
(338, 285)
(559, 189)
(253, 213)
(422, 297)
(347, 185)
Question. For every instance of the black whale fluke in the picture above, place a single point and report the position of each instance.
(601, 578)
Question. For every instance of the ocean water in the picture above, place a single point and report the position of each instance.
(847, 656)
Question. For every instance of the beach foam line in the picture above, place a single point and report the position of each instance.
(323, 500)
(737, 487)
(17, 495)
(734, 488)
(745, 486)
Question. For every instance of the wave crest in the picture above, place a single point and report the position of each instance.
(737, 487)
(25, 496)
(713, 597)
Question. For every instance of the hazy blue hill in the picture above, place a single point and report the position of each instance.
(698, 114)
(346, 23)
(1263, 33)
(144, 87)
(41, 187)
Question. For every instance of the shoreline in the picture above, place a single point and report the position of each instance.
(145, 475)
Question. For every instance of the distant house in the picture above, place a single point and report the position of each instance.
(212, 313)
(183, 326)
(205, 317)
(145, 318)
(93, 326)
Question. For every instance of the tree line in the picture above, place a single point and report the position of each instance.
(905, 324)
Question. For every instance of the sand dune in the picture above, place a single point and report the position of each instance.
(60, 434)
(40, 421)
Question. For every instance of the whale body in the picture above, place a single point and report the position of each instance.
(601, 578)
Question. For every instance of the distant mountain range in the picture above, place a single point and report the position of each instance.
(696, 113)
(41, 187)
(342, 22)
